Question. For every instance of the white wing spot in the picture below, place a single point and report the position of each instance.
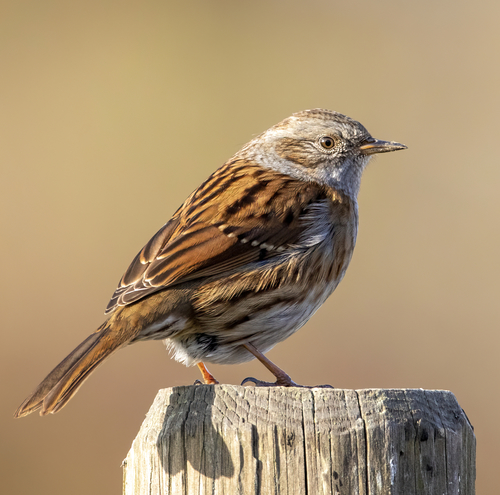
(266, 246)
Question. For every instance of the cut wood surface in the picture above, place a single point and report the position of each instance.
(227, 439)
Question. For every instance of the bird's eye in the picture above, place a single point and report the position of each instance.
(327, 142)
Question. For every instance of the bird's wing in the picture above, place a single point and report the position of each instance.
(242, 214)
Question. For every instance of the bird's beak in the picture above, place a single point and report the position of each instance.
(372, 146)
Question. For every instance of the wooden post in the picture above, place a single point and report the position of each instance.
(228, 439)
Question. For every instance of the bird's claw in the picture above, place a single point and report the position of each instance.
(257, 383)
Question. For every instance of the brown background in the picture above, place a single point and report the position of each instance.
(111, 113)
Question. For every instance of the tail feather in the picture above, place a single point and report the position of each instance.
(68, 376)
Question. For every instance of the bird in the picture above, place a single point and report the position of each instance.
(246, 260)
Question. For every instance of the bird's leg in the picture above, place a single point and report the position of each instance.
(282, 379)
(208, 378)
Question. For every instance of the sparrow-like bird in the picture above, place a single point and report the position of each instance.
(244, 262)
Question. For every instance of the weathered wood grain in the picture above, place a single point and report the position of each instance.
(228, 439)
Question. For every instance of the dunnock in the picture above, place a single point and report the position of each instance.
(244, 262)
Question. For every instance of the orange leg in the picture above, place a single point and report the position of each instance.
(208, 378)
(282, 379)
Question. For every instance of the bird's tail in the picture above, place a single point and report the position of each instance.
(68, 376)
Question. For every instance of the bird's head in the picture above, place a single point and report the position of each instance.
(321, 146)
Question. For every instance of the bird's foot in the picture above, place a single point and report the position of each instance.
(280, 383)
(208, 378)
(282, 379)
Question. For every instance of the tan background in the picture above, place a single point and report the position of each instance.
(111, 113)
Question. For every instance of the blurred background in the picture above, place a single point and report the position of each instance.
(113, 112)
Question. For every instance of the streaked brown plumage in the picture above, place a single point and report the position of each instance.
(244, 262)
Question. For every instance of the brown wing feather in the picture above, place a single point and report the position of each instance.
(240, 215)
